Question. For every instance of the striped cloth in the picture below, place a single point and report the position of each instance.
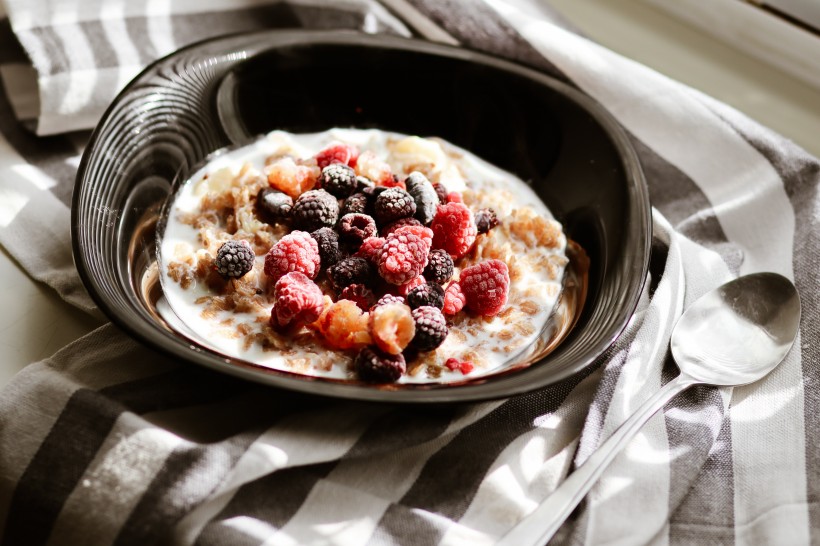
(108, 442)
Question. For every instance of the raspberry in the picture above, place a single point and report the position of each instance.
(404, 289)
(454, 229)
(431, 328)
(485, 286)
(388, 298)
(273, 206)
(402, 257)
(485, 220)
(315, 209)
(337, 153)
(454, 364)
(354, 228)
(454, 197)
(287, 176)
(431, 295)
(424, 195)
(296, 251)
(425, 233)
(328, 241)
(338, 179)
(441, 192)
(344, 326)
(439, 266)
(392, 327)
(374, 366)
(392, 204)
(360, 295)
(298, 301)
(349, 271)
(234, 259)
(370, 249)
(355, 203)
(402, 222)
(454, 299)
(370, 166)
(393, 182)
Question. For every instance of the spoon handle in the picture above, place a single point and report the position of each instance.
(539, 526)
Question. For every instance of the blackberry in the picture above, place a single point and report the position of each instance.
(338, 179)
(349, 271)
(431, 328)
(273, 206)
(388, 298)
(375, 366)
(424, 195)
(431, 295)
(328, 241)
(392, 204)
(234, 259)
(485, 220)
(439, 267)
(356, 203)
(355, 228)
(360, 295)
(315, 209)
(363, 182)
(442, 192)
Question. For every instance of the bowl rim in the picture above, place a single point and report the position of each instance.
(487, 388)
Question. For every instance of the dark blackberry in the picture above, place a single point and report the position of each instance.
(356, 203)
(485, 220)
(392, 204)
(424, 195)
(439, 267)
(363, 182)
(431, 328)
(328, 241)
(234, 259)
(355, 228)
(441, 191)
(374, 366)
(431, 295)
(338, 179)
(360, 295)
(273, 206)
(388, 298)
(349, 271)
(315, 209)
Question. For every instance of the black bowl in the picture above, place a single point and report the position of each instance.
(224, 91)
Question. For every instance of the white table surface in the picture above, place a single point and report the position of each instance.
(35, 322)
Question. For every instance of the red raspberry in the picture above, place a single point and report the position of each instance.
(454, 197)
(485, 285)
(405, 288)
(400, 223)
(454, 229)
(420, 231)
(360, 295)
(454, 299)
(298, 301)
(370, 249)
(297, 251)
(338, 153)
(403, 256)
(454, 364)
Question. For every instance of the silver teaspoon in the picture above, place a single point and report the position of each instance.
(732, 336)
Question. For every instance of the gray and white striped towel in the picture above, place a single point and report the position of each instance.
(109, 443)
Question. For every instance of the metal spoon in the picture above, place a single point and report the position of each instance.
(732, 336)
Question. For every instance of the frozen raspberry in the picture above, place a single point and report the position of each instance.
(370, 166)
(454, 197)
(454, 299)
(360, 295)
(485, 220)
(454, 364)
(431, 295)
(389, 298)
(485, 286)
(273, 206)
(328, 241)
(234, 259)
(404, 289)
(370, 249)
(288, 176)
(392, 204)
(344, 326)
(355, 203)
(296, 251)
(349, 271)
(424, 195)
(315, 209)
(454, 229)
(441, 191)
(402, 257)
(337, 153)
(425, 233)
(338, 179)
(403, 222)
(374, 366)
(298, 301)
(392, 327)
(354, 228)
(393, 182)
(431, 328)
(439, 266)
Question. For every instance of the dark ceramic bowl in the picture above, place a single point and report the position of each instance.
(224, 91)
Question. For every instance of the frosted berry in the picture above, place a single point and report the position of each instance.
(454, 229)
(315, 209)
(485, 220)
(402, 257)
(374, 366)
(344, 326)
(355, 203)
(354, 228)
(369, 249)
(454, 299)
(485, 286)
(389, 298)
(234, 259)
(392, 327)
(439, 266)
(363, 182)
(404, 289)
(403, 222)
(441, 192)
(297, 301)
(296, 251)
(349, 271)
(370, 166)
(392, 204)
(431, 328)
(431, 295)
(360, 295)
(424, 195)
(454, 197)
(337, 153)
(338, 179)
(273, 206)
(328, 241)
(293, 178)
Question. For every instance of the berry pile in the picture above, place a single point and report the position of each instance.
(373, 261)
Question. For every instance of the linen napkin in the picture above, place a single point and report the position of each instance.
(108, 442)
